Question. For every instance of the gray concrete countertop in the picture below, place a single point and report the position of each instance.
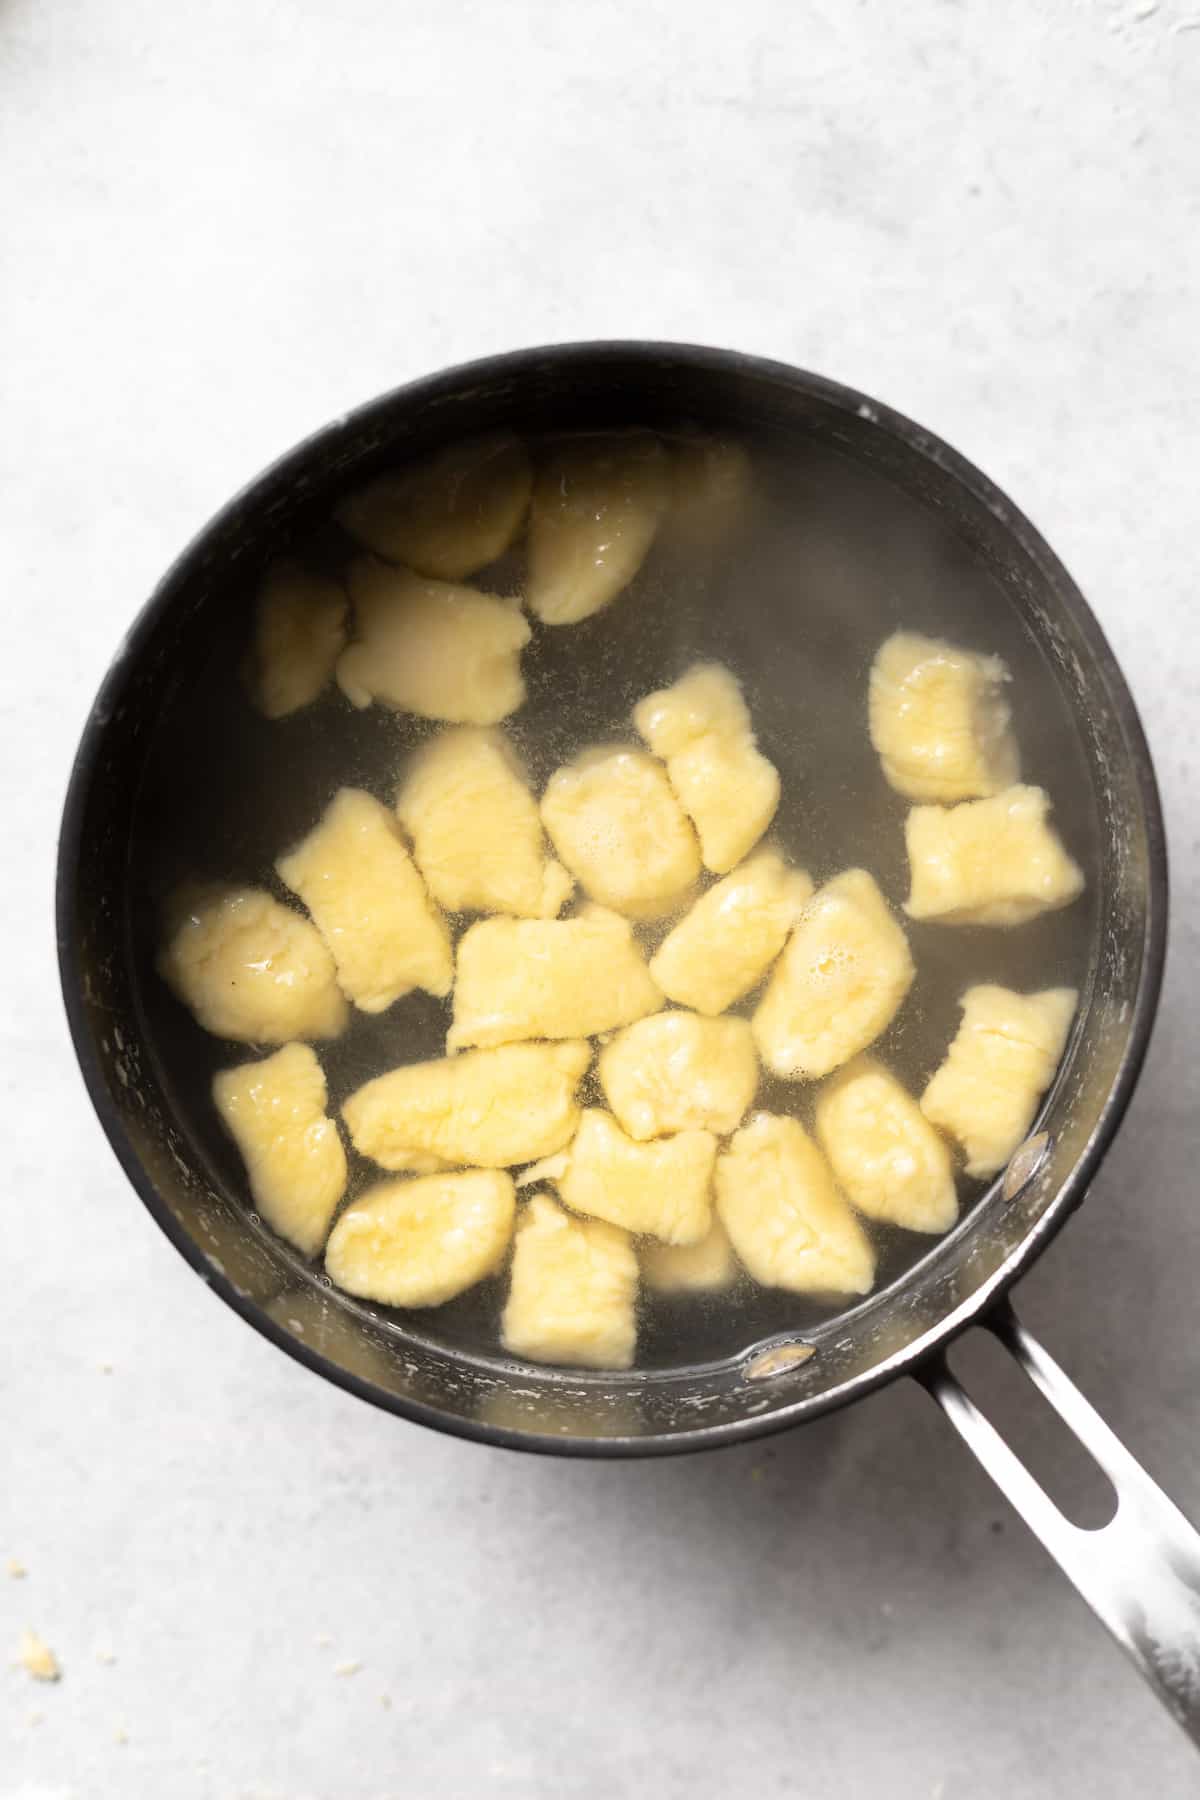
(221, 225)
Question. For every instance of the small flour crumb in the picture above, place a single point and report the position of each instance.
(16, 1571)
(106, 1656)
(347, 1668)
(38, 1658)
(120, 1735)
(322, 1640)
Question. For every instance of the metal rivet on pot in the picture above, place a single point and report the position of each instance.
(777, 1360)
(1025, 1164)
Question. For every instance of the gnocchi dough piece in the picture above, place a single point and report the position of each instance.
(711, 485)
(703, 1268)
(275, 1112)
(250, 969)
(449, 515)
(662, 1188)
(489, 1108)
(939, 719)
(548, 978)
(839, 982)
(419, 1243)
(616, 824)
(476, 832)
(597, 503)
(988, 862)
(573, 1291)
(299, 633)
(621, 832)
(1002, 1060)
(885, 1155)
(701, 729)
(728, 940)
(680, 1072)
(361, 886)
(777, 1199)
(432, 647)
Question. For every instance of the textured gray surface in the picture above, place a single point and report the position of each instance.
(222, 224)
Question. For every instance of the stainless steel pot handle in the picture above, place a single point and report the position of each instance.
(1140, 1573)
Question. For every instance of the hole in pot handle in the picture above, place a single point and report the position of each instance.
(1140, 1573)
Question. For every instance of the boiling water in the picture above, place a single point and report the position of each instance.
(831, 560)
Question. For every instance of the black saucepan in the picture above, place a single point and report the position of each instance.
(887, 526)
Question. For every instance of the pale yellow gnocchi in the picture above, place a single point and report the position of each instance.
(789, 1225)
(573, 1290)
(422, 1242)
(839, 983)
(449, 515)
(616, 824)
(476, 833)
(885, 1155)
(989, 862)
(250, 969)
(662, 1188)
(678, 1071)
(597, 503)
(940, 721)
(701, 728)
(366, 895)
(549, 978)
(708, 1267)
(1002, 1060)
(275, 1112)
(711, 490)
(490, 1109)
(299, 633)
(726, 942)
(432, 648)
